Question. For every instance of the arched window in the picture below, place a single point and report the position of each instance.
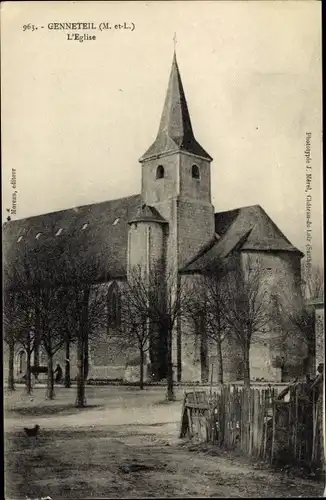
(195, 172)
(114, 307)
(160, 172)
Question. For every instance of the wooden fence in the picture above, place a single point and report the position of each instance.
(257, 423)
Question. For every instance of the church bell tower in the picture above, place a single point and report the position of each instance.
(176, 178)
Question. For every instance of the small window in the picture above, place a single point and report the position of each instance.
(84, 226)
(114, 309)
(160, 172)
(38, 236)
(19, 239)
(195, 172)
(116, 221)
(59, 232)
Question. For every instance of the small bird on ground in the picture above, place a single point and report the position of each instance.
(32, 432)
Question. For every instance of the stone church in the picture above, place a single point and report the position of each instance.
(173, 221)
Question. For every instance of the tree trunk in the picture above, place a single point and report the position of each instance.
(220, 362)
(179, 350)
(204, 363)
(170, 388)
(80, 398)
(141, 368)
(67, 363)
(28, 372)
(36, 357)
(11, 377)
(37, 336)
(82, 342)
(50, 379)
(86, 365)
(246, 368)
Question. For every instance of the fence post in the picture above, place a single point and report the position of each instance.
(184, 418)
(273, 431)
(295, 424)
(314, 431)
(246, 408)
(211, 384)
(251, 419)
(290, 424)
(264, 425)
(256, 422)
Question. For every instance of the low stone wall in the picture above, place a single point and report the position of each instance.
(106, 372)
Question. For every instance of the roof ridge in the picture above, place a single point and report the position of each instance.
(276, 226)
(7, 223)
(271, 238)
(239, 208)
(202, 251)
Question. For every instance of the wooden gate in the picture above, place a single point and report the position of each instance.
(196, 417)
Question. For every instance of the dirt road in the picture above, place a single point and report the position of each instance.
(123, 450)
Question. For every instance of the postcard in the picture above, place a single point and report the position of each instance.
(163, 249)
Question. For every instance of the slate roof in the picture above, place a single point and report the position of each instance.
(246, 228)
(175, 131)
(96, 233)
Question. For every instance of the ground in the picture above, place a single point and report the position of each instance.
(125, 444)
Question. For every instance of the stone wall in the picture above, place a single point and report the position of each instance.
(194, 189)
(281, 278)
(196, 228)
(157, 190)
(145, 246)
(177, 180)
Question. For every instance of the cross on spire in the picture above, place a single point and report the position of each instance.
(174, 40)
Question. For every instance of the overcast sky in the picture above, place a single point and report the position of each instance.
(77, 116)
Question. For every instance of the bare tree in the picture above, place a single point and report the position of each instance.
(10, 334)
(19, 313)
(296, 325)
(50, 335)
(25, 331)
(40, 278)
(312, 279)
(27, 340)
(297, 322)
(209, 304)
(67, 328)
(205, 314)
(161, 299)
(169, 300)
(244, 302)
(87, 313)
(85, 310)
(133, 331)
(78, 292)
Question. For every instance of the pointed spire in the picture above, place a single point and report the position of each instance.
(175, 131)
